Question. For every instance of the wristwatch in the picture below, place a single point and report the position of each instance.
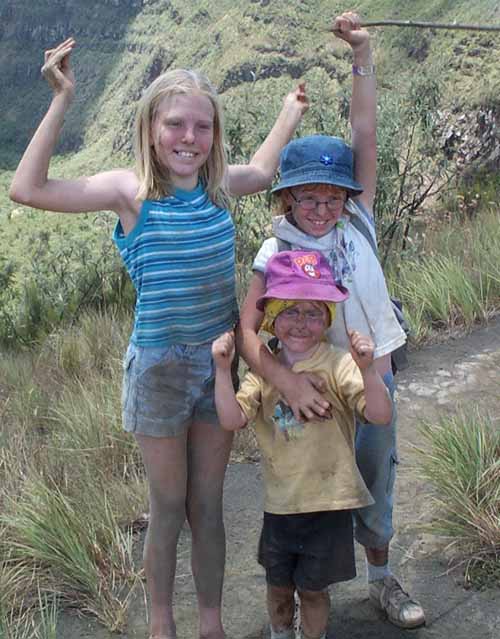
(366, 69)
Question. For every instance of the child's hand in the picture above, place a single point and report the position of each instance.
(347, 27)
(223, 350)
(362, 348)
(57, 70)
(297, 102)
(303, 392)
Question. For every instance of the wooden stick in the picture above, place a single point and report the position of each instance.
(428, 25)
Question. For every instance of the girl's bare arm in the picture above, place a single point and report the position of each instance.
(258, 174)
(31, 185)
(363, 105)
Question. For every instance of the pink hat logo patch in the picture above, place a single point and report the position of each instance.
(309, 265)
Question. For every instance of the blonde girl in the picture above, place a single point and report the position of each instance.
(176, 238)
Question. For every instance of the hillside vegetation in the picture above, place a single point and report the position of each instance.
(439, 104)
(124, 44)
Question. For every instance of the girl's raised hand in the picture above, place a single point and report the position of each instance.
(347, 27)
(362, 348)
(57, 69)
(223, 350)
(297, 101)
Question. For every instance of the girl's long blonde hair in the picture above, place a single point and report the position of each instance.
(154, 180)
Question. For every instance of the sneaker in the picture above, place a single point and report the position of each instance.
(388, 595)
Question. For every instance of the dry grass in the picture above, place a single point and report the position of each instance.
(70, 481)
(462, 461)
(455, 282)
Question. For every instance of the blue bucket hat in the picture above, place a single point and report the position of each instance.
(317, 159)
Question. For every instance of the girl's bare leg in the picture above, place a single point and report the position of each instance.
(166, 467)
(208, 453)
(314, 612)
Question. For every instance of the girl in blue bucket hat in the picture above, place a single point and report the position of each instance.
(326, 190)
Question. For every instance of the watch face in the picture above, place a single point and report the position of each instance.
(367, 69)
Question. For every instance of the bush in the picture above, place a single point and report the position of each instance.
(455, 281)
(54, 274)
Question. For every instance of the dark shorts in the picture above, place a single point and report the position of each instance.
(309, 551)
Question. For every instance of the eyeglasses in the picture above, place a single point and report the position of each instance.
(310, 317)
(310, 204)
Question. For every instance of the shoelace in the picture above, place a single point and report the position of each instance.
(397, 595)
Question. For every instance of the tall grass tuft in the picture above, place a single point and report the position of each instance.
(461, 459)
(455, 282)
(48, 616)
(17, 626)
(71, 483)
(75, 542)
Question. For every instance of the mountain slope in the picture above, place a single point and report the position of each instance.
(124, 44)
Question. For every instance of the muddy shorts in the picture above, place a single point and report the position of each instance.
(309, 551)
(165, 389)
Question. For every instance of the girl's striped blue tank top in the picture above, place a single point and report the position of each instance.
(181, 259)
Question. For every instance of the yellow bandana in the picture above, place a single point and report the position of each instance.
(274, 307)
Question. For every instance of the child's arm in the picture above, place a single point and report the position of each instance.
(229, 412)
(31, 185)
(301, 391)
(378, 402)
(258, 174)
(363, 105)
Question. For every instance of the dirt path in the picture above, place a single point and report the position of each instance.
(463, 371)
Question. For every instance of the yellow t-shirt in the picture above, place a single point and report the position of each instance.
(310, 467)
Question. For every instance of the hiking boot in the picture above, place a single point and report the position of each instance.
(387, 594)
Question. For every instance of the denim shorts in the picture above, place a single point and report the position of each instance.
(308, 550)
(377, 459)
(165, 389)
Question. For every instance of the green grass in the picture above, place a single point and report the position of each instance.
(227, 40)
(455, 283)
(461, 459)
(76, 541)
(71, 485)
(48, 617)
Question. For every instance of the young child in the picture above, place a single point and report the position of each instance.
(310, 473)
(325, 184)
(176, 238)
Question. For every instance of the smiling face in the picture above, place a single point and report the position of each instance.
(183, 134)
(320, 220)
(301, 328)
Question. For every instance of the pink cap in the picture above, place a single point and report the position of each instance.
(300, 275)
